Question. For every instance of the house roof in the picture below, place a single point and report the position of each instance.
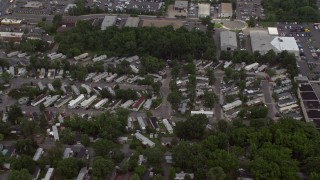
(226, 7)
(228, 38)
(273, 31)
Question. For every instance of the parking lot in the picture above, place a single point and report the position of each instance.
(40, 7)
(308, 41)
(249, 8)
(123, 6)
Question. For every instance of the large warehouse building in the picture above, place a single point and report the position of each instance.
(228, 41)
(204, 10)
(262, 41)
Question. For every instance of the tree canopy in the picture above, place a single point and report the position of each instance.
(162, 42)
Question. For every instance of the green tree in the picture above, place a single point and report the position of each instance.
(175, 98)
(135, 177)
(68, 167)
(209, 99)
(22, 162)
(68, 136)
(14, 114)
(85, 140)
(57, 83)
(28, 128)
(216, 173)
(26, 147)
(172, 173)
(6, 77)
(140, 170)
(22, 174)
(102, 147)
(102, 167)
(192, 128)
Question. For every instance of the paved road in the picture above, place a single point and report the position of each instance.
(165, 108)
(266, 88)
(217, 89)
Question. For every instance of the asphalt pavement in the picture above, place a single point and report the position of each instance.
(164, 110)
(268, 98)
(217, 89)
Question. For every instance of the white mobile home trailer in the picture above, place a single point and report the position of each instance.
(74, 103)
(144, 140)
(141, 123)
(99, 58)
(48, 174)
(21, 55)
(111, 78)
(14, 53)
(38, 154)
(98, 77)
(134, 69)
(127, 104)
(232, 105)
(168, 126)
(51, 100)
(101, 103)
(86, 87)
(81, 56)
(62, 102)
(147, 104)
(86, 103)
(75, 90)
(55, 133)
(209, 114)
(250, 67)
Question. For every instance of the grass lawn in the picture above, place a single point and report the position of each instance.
(268, 23)
(217, 25)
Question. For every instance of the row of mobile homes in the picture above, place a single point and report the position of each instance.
(74, 103)
(101, 103)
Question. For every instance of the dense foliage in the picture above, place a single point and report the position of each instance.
(158, 42)
(264, 149)
(292, 10)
